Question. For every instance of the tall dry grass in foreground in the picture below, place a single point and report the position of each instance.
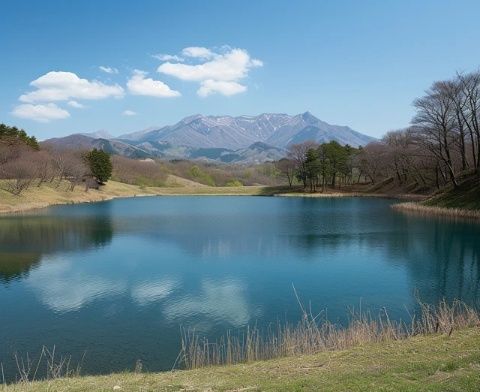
(419, 209)
(48, 365)
(310, 336)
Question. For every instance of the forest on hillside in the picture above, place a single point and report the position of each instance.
(441, 146)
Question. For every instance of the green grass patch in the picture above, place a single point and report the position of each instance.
(466, 196)
(422, 363)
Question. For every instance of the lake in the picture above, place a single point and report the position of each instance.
(116, 280)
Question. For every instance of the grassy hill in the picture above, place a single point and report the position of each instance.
(466, 196)
(422, 363)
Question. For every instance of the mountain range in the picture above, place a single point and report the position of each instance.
(246, 139)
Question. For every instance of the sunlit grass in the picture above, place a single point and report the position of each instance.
(428, 210)
(59, 193)
(438, 351)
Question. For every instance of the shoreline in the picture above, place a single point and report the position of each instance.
(423, 210)
(444, 361)
(38, 198)
(353, 194)
(23, 205)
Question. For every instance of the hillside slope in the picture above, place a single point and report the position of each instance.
(466, 196)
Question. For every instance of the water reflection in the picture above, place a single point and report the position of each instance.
(16, 265)
(217, 301)
(64, 288)
(25, 240)
(442, 257)
(450, 266)
(128, 273)
(147, 293)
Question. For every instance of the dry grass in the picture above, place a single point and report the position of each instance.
(448, 360)
(330, 194)
(420, 209)
(60, 193)
(51, 364)
(311, 336)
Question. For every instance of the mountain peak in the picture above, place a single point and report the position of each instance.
(103, 134)
(274, 129)
(308, 117)
(191, 118)
(249, 138)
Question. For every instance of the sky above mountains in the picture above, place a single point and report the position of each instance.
(81, 66)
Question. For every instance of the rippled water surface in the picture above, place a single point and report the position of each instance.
(118, 279)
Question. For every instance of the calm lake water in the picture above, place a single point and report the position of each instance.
(118, 279)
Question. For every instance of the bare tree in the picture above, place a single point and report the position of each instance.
(17, 174)
(371, 160)
(298, 154)
(436, 124)
(287, 168)
(470, 88)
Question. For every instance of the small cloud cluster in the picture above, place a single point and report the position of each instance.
(216, 71)
(139, 84)
(108, 70)
(41, 104)
(75, 104)
(198, 52)
(63, 86)
(167, 57)
(40, 112)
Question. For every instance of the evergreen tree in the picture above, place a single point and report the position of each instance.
(13, 134)
(100, 165)
(312, 165)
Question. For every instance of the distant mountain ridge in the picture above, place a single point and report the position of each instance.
(220, 138)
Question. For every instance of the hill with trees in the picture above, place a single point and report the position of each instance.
(438, 154)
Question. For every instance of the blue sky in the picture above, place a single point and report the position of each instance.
(356, 63)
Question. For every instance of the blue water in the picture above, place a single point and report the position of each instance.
(118, 279)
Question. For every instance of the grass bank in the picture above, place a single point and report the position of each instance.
(427, 210)
(330, 194)
(439, 349)
(55, 193)
(59, 193)
(422, 363)
(462, 202)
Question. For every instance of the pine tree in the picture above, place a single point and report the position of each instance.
(100, 165)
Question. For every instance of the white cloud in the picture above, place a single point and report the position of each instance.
(75, 104)
(221, 74)
(109, 70)
(40, 112)
(209, 87)
(167, 57)
(64, 86)
(198, 52)
(140, 85)
(230, 66)
(129, 113)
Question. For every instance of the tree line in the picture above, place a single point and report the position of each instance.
(23, 163)
(440, 147)
(317, 166)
